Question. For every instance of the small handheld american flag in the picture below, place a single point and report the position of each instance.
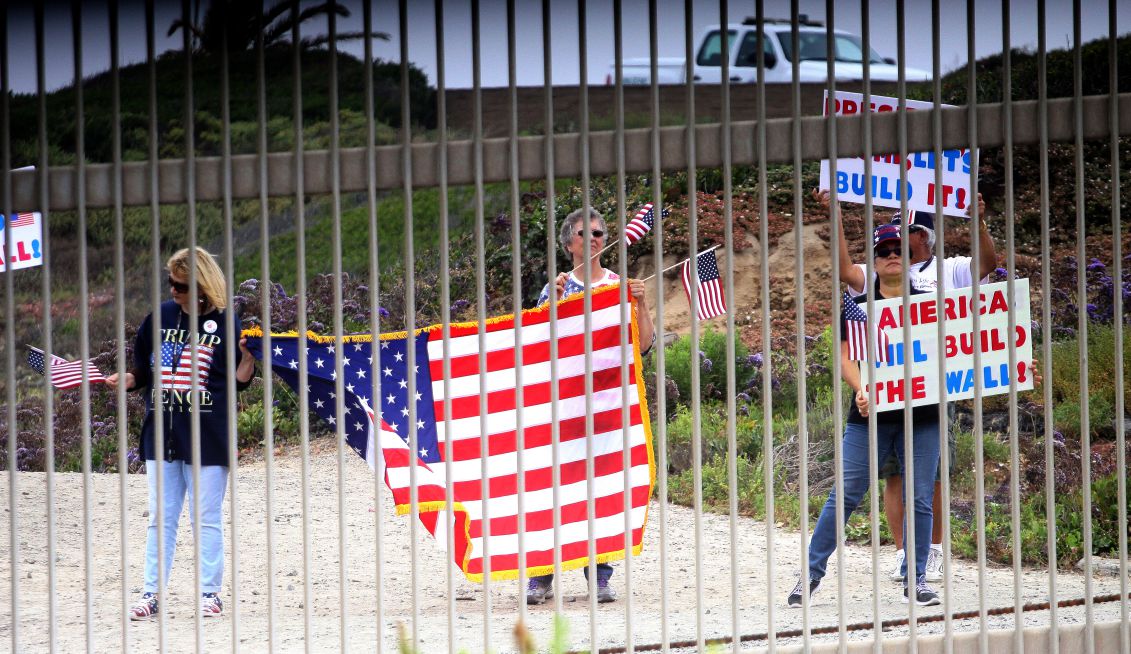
(64, 374)
(641, 224)
(712, 300)
(856, 333)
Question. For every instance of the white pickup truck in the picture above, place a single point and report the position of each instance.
(778, 45)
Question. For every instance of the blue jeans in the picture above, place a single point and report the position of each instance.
(177, 479)
(857, 477)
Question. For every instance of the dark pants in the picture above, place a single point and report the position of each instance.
(604, 573)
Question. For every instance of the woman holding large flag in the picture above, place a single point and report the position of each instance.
(184, 391)
(889, 436)
(572, 239)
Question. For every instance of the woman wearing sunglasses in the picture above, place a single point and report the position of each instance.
(888, 284)
(581, 253)
(183, 393)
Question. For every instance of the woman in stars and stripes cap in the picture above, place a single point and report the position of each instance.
(169, 364)
(888, 249)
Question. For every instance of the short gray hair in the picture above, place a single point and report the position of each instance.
(930, 234)
(569, 226)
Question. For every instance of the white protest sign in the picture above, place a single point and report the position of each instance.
(924, 353)
(26, 230)
(920, 189)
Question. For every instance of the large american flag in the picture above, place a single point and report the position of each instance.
(64, 374)
(856, 333)
(640, 224)
(176, 365)
(376, 409)
(712, 299)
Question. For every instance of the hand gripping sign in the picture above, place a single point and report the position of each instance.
(26, 230)
(887, 189)
(925, 354)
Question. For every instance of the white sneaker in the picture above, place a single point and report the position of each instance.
(897, 571)
(934, 565)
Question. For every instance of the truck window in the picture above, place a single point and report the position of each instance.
(711, 52)
(748, 52)
(849, 48)
(813, 45)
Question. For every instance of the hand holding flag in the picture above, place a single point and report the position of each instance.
(64, 374)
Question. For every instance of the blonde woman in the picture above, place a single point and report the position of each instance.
(182, 394)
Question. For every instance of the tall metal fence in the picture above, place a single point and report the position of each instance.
(316, 557)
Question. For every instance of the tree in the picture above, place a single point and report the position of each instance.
(243, 21)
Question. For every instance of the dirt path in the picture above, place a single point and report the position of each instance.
(432, 605)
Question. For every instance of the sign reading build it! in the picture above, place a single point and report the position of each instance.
(925, 354)
(888, 189)
(26, 231)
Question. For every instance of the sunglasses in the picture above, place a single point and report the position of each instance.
(177, 286)
(883, 253)
(597, 233)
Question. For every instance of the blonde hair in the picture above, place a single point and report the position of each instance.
(209, 278)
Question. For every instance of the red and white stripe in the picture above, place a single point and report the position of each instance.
(857, 338)
(394, 465)
(607, 441)
(23, 220)
(68, 374)
(181, 378)
(637, 227)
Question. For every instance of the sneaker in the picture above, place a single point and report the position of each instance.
(538, 591)
(211, 606)
(605, 592)
(924, 594)
(794, 600)
(145, 608)
(897, 571)
(934, 565)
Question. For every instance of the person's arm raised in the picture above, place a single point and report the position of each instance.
(987, 251)
(850, 273)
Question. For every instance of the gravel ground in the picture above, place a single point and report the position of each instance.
(286, 627)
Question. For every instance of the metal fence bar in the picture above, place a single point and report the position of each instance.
(1010, 266)
(481, 313)
(339, 329)
(1117, 313)
(836, 227)
(694, 301)
(1118, 323)
(625, 321)
(661, 433)
(445, 296)
(1046, 323)
(939, 253)
(375, 375)
(232, 333)
(979, 462)
(799, 340)
(10, 331)
(156, 269)
(303, 362)
(516, 303)
(119, 321)
(1082, 329)
(45, 291)
(551, 274)
(869, 274)
(728, 280)
(767, 348)
(84, 329)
